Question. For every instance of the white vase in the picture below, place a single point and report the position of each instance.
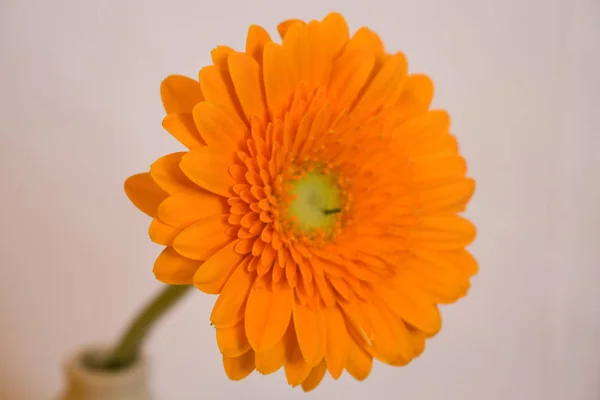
(84, 383)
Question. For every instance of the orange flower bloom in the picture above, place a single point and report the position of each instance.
(320, 199)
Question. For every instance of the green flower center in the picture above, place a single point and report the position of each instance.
(316, 204)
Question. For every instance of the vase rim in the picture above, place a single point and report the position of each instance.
(78, 371)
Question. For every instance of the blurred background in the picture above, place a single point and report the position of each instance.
(80, 111)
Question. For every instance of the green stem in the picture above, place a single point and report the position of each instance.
(127, 349)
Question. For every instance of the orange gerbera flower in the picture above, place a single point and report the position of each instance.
(320, 199)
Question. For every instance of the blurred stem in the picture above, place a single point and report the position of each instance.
(128, 347)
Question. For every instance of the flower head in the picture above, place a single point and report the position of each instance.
(319, 198)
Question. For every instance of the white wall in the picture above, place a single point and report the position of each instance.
(80, 111)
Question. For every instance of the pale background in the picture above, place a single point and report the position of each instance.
(80, 111)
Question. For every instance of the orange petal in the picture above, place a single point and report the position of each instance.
(203, 239)
(311, 331)
(237, 368)
(173, 269)
(357, 320)
(462, 260)
(424, 134)
(416, 97)
(247, 80)
(391, 340)
(218, 90)
(418, 340)
(183, 128)
(440, 144)
(216, 270)
(209, 168)
(271, 360)
(144, 193)
(244, 246)
(321, 65)
(438, 280)
(257, 38)
(315, 377)
(412, 306)
(161, 233)
(386, 87)
(232, 340)
(450, 197)
(298, 47)
(179, 94)
(438, 170)
(321, 283)
(267, 317)
(335, 30)
(337, 342)
(443, 232)
(432, 262)
(284, 26)
(219, 55)
(341, 287)
(279, 82)
(366, 40)
(217, 129)
(438, 276)
(350, 74)
(358, 362)
(166, 173)
(182, 209)
(296, 369)
(229, 308)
